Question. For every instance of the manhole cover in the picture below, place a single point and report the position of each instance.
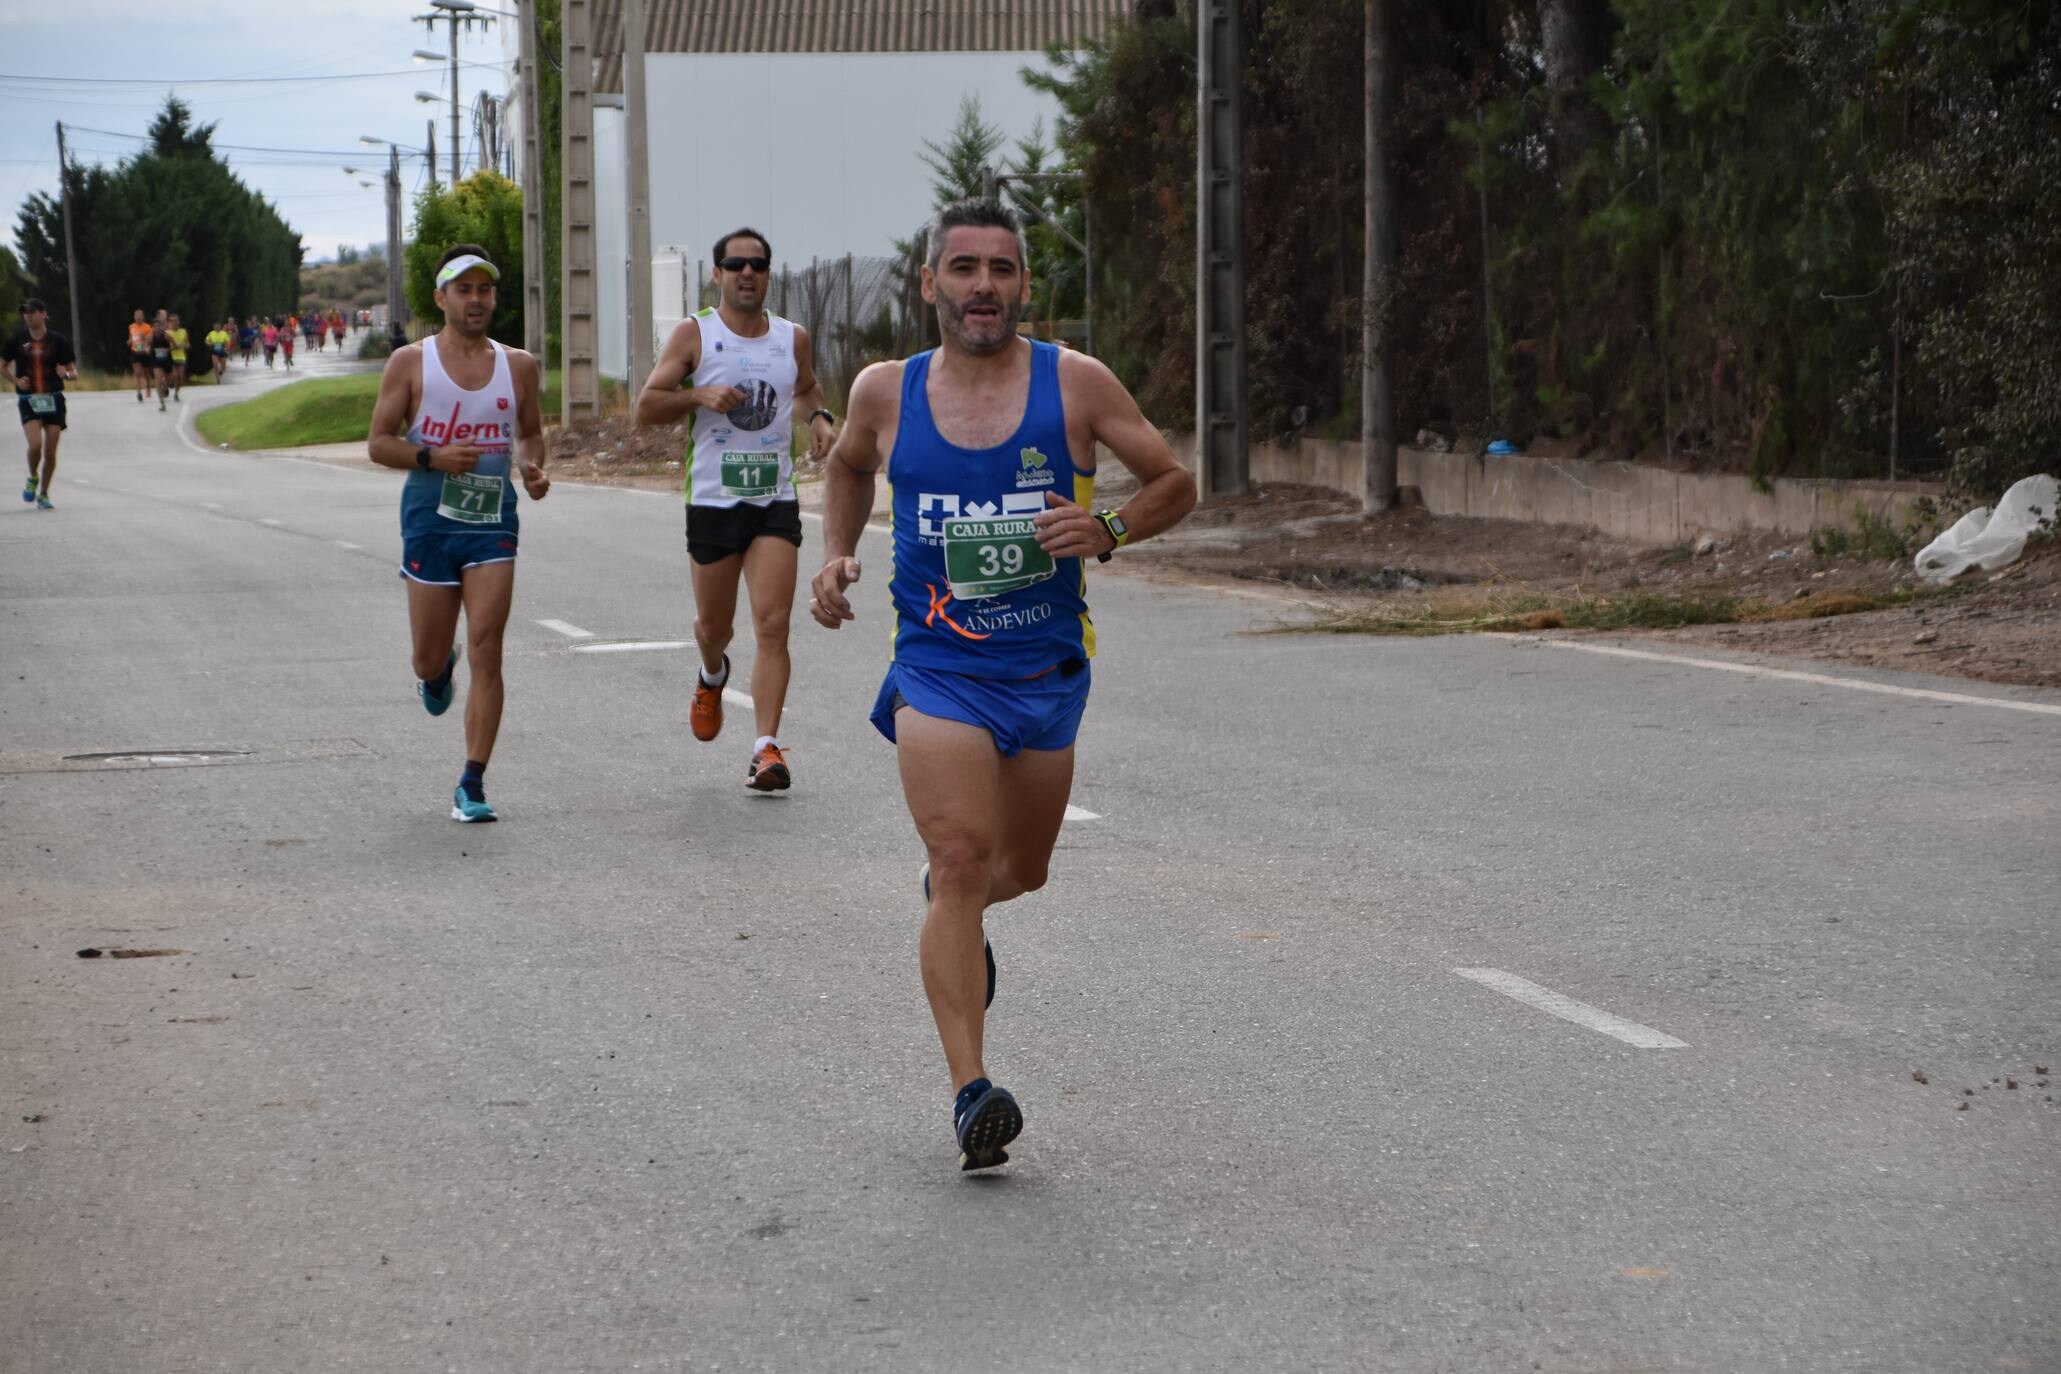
(182, 756)
(159, 758)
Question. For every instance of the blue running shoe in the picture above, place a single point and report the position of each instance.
(464, 808)
(28, 493)
(987, 950)
(439, 702)
(43, 502)
(988, 1120)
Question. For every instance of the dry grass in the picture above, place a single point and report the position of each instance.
(1531, 611)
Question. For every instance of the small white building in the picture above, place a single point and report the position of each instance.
(807, 119)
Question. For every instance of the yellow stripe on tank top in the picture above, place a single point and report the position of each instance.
(1084, 497)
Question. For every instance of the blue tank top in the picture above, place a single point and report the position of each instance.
(972, 592)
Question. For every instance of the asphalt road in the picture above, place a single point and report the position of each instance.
(642, 1077)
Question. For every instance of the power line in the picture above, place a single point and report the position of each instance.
(324, 153)
(217, 80)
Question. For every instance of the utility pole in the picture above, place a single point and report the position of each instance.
(1221, 461)
(579, 288)
(1377, 278)
(430, 150)
(394, 308)
(71, 254)
(637, 143)
(455, 12)
(534, 268)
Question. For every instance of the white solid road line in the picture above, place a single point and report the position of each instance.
(275, 524)
(347, 544)
(1079, 813)
(1581, 1013)
(569, 631)
(737, 698)
(1821, 679)
(210, 505)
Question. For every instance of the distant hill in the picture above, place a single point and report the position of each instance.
(355, 285)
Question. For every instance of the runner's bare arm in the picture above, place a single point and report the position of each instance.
(1166, 493)
(663, 402)
(848, 489)
(808, 395)
(400, 387)
(529, 423)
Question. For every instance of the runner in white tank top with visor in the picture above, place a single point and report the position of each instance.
(460, 414)
(741, 375)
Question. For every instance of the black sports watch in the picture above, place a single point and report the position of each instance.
(822, 411)
(1118, 531)
(422, 457)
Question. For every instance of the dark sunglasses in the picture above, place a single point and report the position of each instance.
(758, 265)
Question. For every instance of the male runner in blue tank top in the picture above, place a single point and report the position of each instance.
(989, 442)
(460, 414)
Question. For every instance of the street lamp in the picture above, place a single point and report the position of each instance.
(421, 56)
(429, 97)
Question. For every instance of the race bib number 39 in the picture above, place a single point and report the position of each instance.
(471, 498)
(750, 474)
(989, 557)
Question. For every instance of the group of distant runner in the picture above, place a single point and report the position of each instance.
(989, 446)
(158, 346)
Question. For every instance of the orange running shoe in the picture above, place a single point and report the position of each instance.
(705, 712)
(768, 772)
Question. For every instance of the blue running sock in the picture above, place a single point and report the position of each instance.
(472, 782)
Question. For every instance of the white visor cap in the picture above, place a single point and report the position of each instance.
(458, 267)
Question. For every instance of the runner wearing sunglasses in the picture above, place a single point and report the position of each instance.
(740, 375)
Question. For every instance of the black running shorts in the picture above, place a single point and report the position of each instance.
(716, 532)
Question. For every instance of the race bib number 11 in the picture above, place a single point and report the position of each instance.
(750, 474)
(989, 557)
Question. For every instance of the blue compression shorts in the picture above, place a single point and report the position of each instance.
(1020, 713)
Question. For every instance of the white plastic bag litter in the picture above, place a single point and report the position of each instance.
(1989, 541)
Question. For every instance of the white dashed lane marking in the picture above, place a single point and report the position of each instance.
(569, 631)
(347, 544)
(630, 646)
(1565, 1007)
(1078, 813)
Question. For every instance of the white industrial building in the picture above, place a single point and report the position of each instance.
(807, 120)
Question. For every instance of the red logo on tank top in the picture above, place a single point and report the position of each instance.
(500, 403)
(451, 431)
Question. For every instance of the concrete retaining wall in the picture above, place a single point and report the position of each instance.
(1648, 505)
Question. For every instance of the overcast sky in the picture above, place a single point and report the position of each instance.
(57, 62)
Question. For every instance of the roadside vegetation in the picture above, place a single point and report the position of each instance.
(321, 410)
(1637, 610)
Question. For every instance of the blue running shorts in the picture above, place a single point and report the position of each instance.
(440, 559)
(1041, 712)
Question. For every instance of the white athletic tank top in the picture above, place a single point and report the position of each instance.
(485, 497)
(744, 457)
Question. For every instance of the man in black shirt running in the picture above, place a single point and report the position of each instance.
(38, 361)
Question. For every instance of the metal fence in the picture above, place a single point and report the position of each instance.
(858, 309)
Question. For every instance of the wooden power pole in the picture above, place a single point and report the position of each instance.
(1222, 464)
(71, 254)
(637, 146)
(1377, 277)
(578, 288)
